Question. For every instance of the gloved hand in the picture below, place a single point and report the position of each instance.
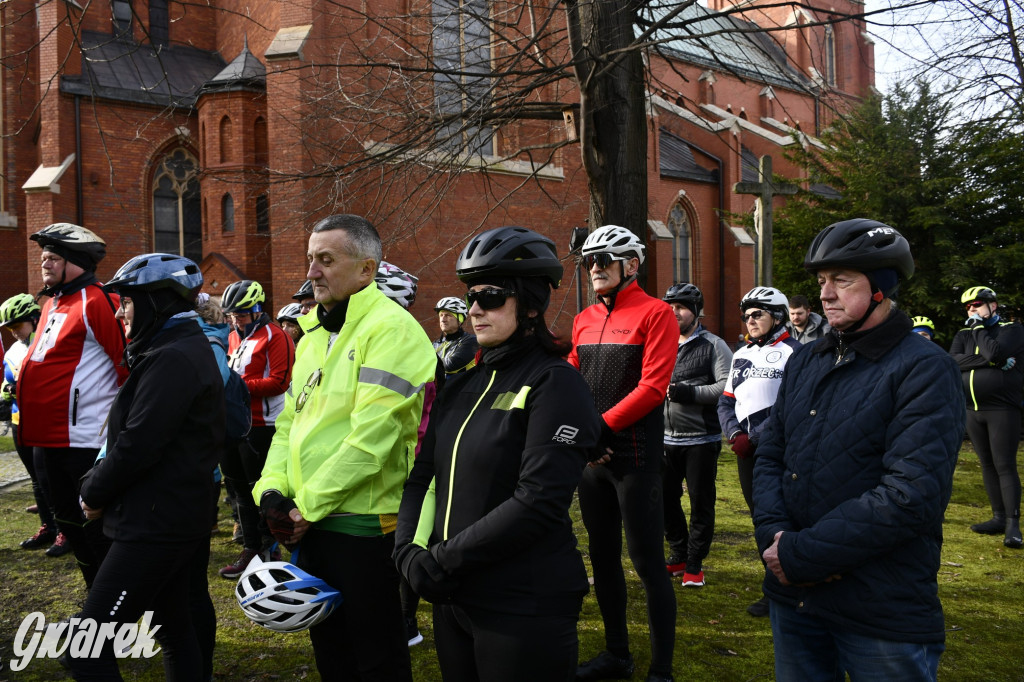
(974, 322)
(424, 574)
(681, 393)
(275, 508)
(1010, 363)
(741, 445)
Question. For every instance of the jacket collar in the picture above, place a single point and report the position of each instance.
(871, 343)
(623, 296)
(352, 309)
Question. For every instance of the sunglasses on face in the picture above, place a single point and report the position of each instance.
(489, 299)
(756, 315)
(602, 260)
(975, 304)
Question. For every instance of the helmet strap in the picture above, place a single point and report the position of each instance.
(876, 299)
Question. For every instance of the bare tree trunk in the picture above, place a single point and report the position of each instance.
(613, 112)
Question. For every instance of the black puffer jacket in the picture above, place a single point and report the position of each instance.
(856, 468)
(165, 433)
(507, 443)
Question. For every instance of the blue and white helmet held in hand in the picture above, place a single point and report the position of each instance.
(282, 597)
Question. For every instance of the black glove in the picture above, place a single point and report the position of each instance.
(275, 507)
(681, 393)
(424, 574)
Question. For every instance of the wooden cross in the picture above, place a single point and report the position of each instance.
(765, 190)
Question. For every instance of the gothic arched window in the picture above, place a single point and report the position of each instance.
(177, 209)
(679, 225)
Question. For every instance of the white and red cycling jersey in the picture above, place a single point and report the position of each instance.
(72, 370)
(264, 360)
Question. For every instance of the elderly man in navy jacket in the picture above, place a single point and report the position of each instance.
(854, 473)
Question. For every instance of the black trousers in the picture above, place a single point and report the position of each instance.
(64, 469)
(698, 466)
(241, 466)
(37, 474)
(474, 644)
(145, 576)
(611, 503)
(995, 435)
(364, 639)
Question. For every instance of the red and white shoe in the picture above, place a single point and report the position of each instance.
(693, 579)
(675, 565)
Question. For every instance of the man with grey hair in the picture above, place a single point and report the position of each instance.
(344, 447)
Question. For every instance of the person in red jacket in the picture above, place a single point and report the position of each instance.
(625, 347)
(69, 378)
(263, 354)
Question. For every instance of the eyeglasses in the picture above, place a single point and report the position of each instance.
(602, 260)
(314, 381)
(975, 304)
(756, 315)
(489, 299)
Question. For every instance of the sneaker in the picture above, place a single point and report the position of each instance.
(994, 526)
(60, 546)
(759, 609)
(412, 631)
(233, 571)
(675, 564)
(693, 579)
(43, 537)
(236, 534)
(605, 666)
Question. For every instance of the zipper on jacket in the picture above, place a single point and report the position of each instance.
(74, 409)
(455, 453)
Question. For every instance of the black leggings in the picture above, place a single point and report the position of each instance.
(64, 468)
(145, 576)
(698, 466)
(241, 467)
(474, 644)
(37, 473)
(995, 435)
(611, 502)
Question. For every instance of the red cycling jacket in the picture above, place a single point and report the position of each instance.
(626, 353)
(264, 360)
(72, 371)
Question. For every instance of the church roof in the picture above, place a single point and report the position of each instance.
(126, 71)
(245, 72)
(676, 160)
(708, 38)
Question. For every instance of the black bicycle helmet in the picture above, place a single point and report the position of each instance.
(153, 271)
(509, 252)
(242, 296)
(304, 292)
(688, 295)
(863, 245)
(81, 246)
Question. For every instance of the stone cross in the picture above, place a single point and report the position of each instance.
(764, 189)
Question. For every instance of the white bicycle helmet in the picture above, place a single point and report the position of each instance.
(289, 313)
(615, 240)
(397, 284)
(456, 306)
(284, 598)
(766, 298)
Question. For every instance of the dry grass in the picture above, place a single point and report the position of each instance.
(981, 584)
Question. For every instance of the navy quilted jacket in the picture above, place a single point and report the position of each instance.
(856, 467)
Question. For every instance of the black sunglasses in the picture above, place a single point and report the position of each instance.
(602, 260)
(488, 299)
(756, 315)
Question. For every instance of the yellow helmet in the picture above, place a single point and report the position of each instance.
(922, 322)
(978, 294)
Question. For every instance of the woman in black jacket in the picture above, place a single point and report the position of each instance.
(484, 530)
(152, 489)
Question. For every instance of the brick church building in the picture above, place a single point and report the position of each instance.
(222, 131)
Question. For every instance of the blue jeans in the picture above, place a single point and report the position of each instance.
(809, 649)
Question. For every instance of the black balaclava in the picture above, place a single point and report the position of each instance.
(150, 311)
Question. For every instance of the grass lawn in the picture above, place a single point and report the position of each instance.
(981, 584)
